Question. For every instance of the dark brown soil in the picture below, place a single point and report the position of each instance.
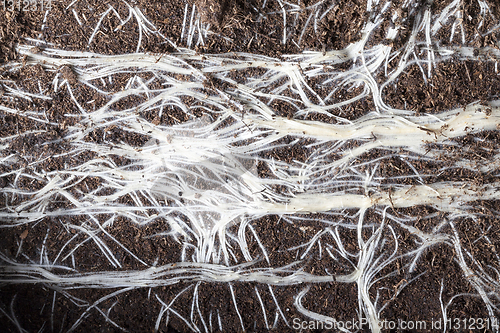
(241, 26)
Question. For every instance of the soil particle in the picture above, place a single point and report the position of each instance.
(69, 75)
(213, 11)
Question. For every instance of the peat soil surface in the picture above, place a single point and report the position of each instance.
(235, 27)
